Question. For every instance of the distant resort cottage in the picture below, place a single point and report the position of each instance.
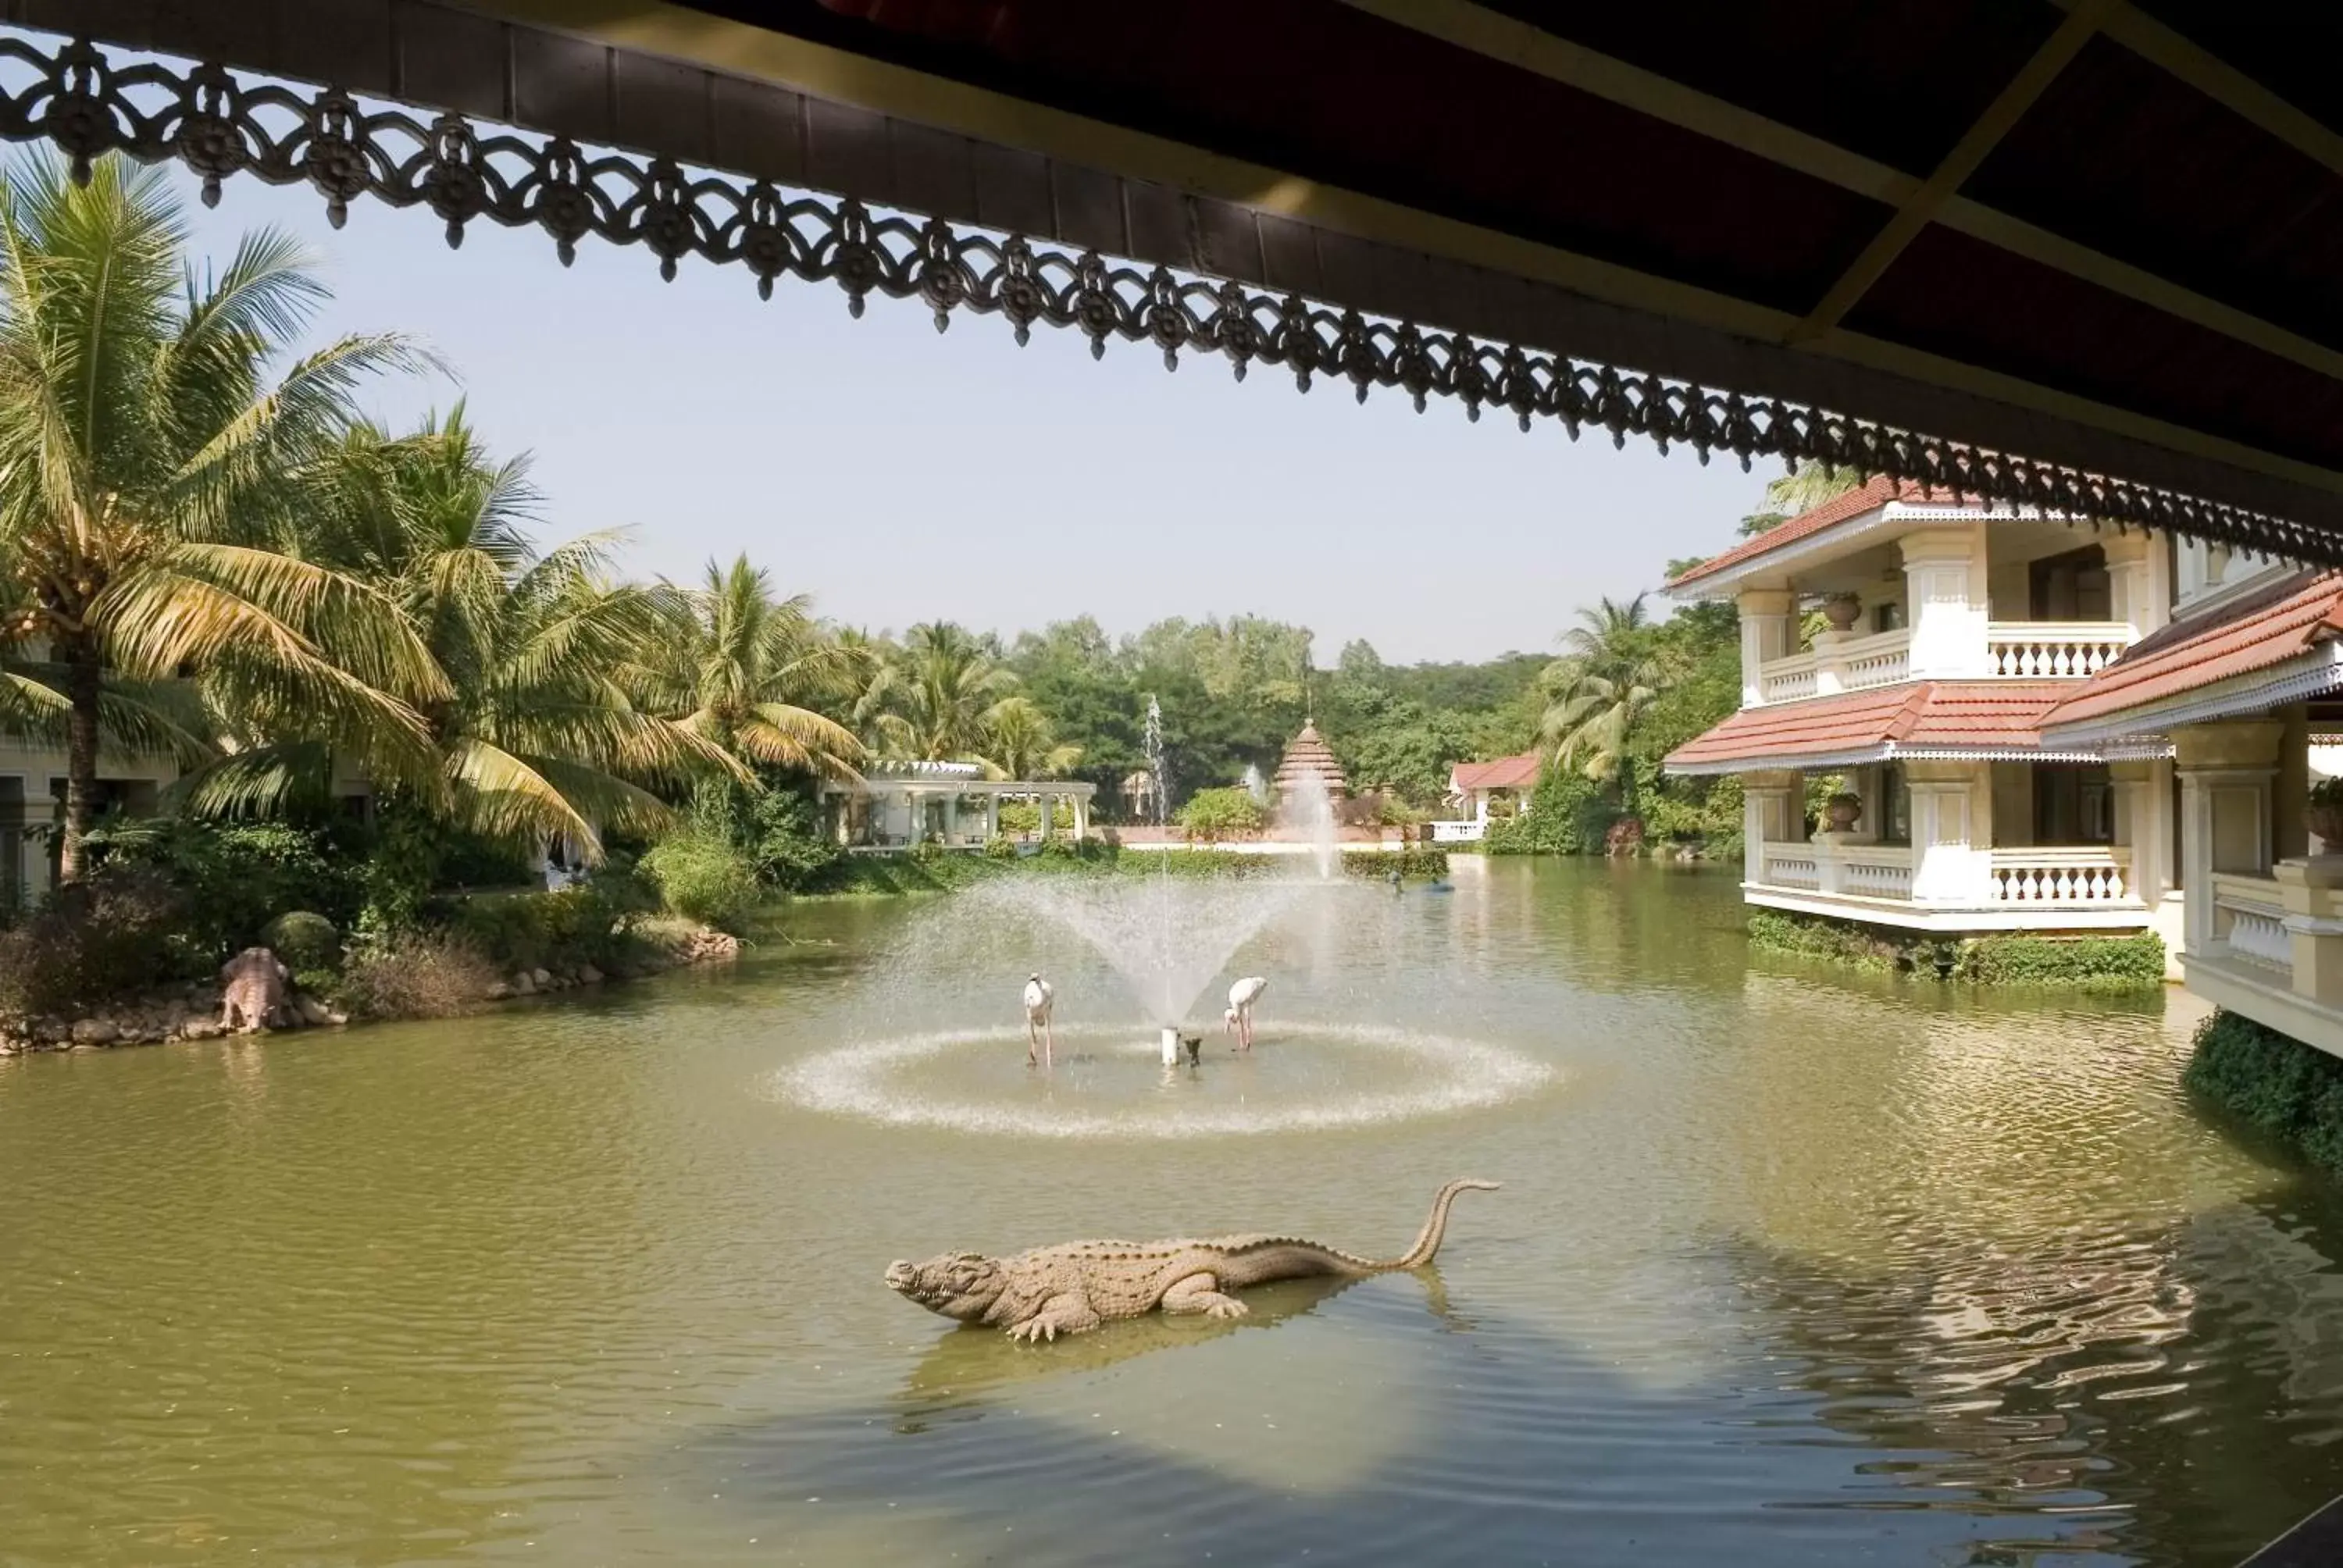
(898, 805)
(1487, 792)
(2040, 728)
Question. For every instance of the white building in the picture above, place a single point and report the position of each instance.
(1487, 791)
(31, 808)
(897, 805)
(1948, 631)
(2242, 690)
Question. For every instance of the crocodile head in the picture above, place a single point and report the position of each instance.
(960, 1286)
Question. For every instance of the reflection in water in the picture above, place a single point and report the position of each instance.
(1789, 1269)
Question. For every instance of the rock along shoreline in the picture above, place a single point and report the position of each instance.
(192, 1011)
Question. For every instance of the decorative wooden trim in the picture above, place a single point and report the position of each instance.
(219, 126)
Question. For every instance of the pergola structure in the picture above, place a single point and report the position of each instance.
(2074, 254)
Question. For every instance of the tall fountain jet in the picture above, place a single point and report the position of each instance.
(1153, 744)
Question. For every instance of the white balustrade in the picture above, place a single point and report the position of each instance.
(1465, 832)
(1791, 866)
(1787, 680)
(2051, 650)
(2084, 875)
(2027, 651)
(2250, 915)
(1883, 871)
(1881, 660)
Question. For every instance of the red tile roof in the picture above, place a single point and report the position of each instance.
(1505, 773)
(2288, 618)
(1926, 715)
(1878, 493)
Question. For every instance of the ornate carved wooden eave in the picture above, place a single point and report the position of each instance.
(1033, 241)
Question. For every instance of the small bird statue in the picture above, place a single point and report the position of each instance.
(1038, 999)
(1238, 1020)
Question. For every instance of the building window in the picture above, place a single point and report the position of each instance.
(2074, 803)
(1887, 616)
(2070, 586)
(1895, 805)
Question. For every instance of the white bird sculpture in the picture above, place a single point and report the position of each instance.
(1238, 1020)
(1038, 999)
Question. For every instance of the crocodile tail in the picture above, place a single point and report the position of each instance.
(1427, 1240)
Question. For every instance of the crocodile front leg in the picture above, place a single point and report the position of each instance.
(1066, 1313)
(1201, 1293)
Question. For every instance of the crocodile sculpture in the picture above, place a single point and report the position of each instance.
(1073, 1288)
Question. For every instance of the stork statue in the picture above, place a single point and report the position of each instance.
(1038, 999)
(1238, 1020)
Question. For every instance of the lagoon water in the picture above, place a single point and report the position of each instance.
(1790, 1268)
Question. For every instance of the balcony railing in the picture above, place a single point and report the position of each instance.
(2024, 650)
(2037, 651)
(2052, 878)
(2250, 915)
(2086, 874)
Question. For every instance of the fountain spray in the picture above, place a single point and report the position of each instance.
(1153, 744)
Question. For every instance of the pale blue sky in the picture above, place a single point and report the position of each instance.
(900, 476)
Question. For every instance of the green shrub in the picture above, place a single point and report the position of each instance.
(560, 930)
(235, 877)
(1020, 819)
(417, 974)
(2287, 1089)
(1213, 815)
(2093, 964)
(1413, 864)
(1001, 847)
(1837, 941)
(121, 930)
(702, 877)
(782, 833)
(2086, 963)
(1569, 815)
(305, 940)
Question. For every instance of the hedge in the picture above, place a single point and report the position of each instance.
(2093, 964)
(2273, 1082)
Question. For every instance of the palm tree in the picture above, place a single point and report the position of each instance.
(536, 734)
(936, 698)
(151, 465)
(1800, 491)
(747, 671)
(1608, 676)
(1021, 743)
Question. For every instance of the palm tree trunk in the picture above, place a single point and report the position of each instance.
(79, 651)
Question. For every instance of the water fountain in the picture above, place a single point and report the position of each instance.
(1163, 937)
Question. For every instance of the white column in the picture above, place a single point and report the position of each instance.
(1766, 817)
(2140, 828)
(952, 817)
(1945, 601)
(1948, 859)
(2139, 580)
(1082, 818)
(1045, 799)
(2226, 770)
(1768, 632)
(991, 815)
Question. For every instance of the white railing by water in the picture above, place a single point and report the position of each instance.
(1791, 866)
(1876, 871)
(1469, 831)
(2250, 916)
(2086, 875)
(2045, 649)
(1787, 680)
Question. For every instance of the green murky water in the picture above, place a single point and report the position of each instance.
(1788, 1268)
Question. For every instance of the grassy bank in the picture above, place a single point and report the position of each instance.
(2086, 963)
